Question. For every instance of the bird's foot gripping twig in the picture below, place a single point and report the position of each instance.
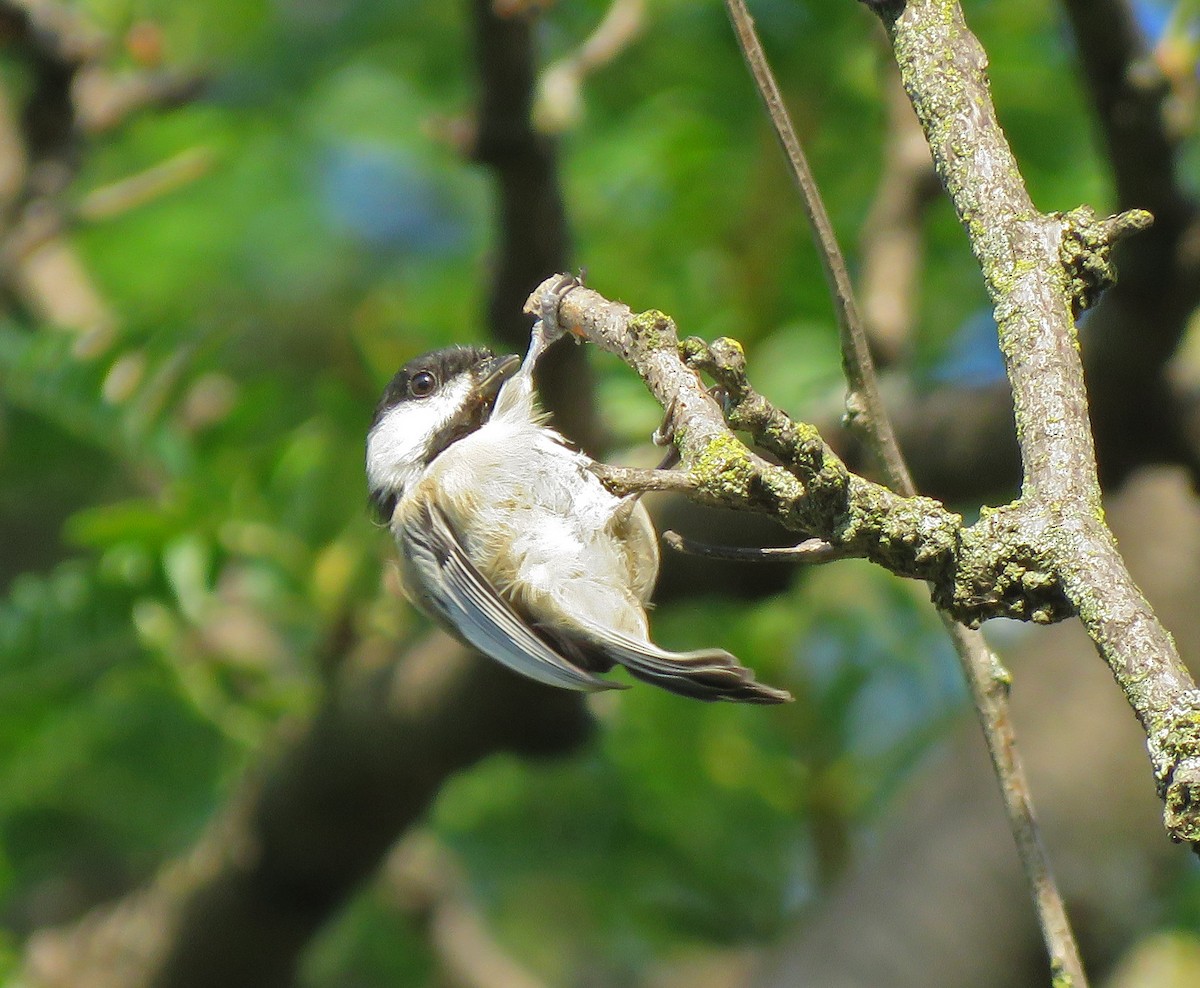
(548, 327)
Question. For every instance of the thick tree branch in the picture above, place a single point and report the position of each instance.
(988, 680)
(1035, 288)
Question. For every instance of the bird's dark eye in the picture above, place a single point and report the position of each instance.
(422, 384)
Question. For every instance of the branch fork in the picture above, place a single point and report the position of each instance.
(990, 569)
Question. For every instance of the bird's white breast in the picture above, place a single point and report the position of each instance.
(537, 523)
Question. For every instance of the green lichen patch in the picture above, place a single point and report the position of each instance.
(1180, 810)
(1060, 978)
(693, 351)
(915, 537)
(653, 330)
(1001, 574)
(724, 469)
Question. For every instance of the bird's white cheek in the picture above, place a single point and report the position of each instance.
(398, 446)
(394, 453)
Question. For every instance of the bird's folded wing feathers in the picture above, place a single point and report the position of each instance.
(455, 589)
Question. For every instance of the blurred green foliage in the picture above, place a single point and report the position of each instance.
(182, 510)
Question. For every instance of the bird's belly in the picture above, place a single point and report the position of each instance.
(536, 525)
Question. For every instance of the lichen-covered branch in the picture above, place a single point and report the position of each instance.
(813, 492)
(976, 572)
(959, 439)
(1033, 560)
(944, 72)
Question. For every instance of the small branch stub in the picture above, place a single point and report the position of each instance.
(1175, 751)
(1086, 250)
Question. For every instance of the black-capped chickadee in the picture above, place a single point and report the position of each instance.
(508, 538)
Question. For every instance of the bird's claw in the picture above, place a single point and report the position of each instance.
(664, 435)
(548, 328)
(721, 396)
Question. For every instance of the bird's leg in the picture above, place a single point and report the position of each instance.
(664, 435)
(623, 512)
(518, 392)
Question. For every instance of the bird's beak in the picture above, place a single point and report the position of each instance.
(492, 375)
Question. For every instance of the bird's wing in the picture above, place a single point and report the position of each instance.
(461, 596)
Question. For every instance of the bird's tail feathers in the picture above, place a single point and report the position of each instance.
(705, 674)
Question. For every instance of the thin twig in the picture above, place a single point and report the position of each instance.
(136, 190)
(988, 682)
(810, 552)
(863, 406)
(559, 103)
(629, 480)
